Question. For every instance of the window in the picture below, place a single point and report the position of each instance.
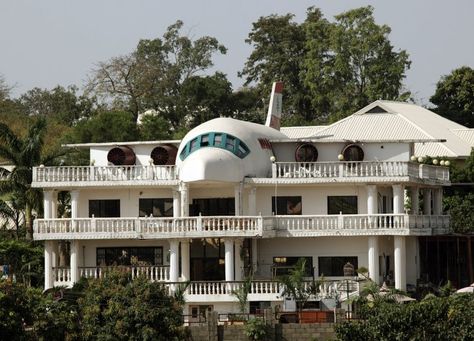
(344, 204)
(334, 266)
(213, 207)
(140, 256)
(287, 205)
(283, 265)
(306, 153)
(104, 208)
(216, 140)
(156, 207)
(353, 153)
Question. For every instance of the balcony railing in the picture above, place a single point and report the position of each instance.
(103, 173)
(362, 169)
(238, 226)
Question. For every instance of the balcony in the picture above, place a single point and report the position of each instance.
(103, 176)
(344, 171)
(240, 226)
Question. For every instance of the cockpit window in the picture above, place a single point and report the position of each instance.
(216, 140)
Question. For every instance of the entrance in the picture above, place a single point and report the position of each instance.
(207, 260)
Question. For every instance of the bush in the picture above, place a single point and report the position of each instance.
(256, 329)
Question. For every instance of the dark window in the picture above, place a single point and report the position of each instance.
(207, 260)
(213, 206)
(156, 207)
(204, 140)
(306, 153)
(104, 208)
(344, 204)
(141, 256)
(287, 205)
(283, 265)
(334, 266)
(353, 153)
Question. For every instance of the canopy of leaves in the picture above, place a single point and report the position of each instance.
(454, 96)
(330, 69)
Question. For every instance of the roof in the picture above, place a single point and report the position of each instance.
(129, 143)
(301, 132)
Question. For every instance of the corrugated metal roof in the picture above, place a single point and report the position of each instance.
(465, 134)
(433, 149)
(301, 132)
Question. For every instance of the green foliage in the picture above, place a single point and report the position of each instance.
(116, 308)
(256, 329)
(154, 127)
(294, 285)
(435, 318)
(330, 69)
(24, 259)
(242, 294)
(454, 96)
(461, 212)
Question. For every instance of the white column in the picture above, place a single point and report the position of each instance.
(74, 254)
(437, 201)
(398, 199)
(74, 203)
(238, 199)
(372, 202)
(254, 256)
(400, 262)
(184, 200)
(239, 264)
(54, 205)
(48, 265)
(185, 269)
(229, 259)
(176, 203)
(47, 203)
(252, 202)
(415, 200)
(374, 258)
(174, 257)
(54, 253)
(426, 201)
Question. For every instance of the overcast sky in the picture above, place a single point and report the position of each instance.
(50, 42)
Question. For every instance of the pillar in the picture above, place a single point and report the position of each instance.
(185, 267)
(252, 202)
(400, 262)
(372, 202)
(47, 203)
(398, 199)
(54, 254)
(176, 203)
(238, 199)
(415, 200)
(54, 205)
(229, 259)
(427, 201)
(437, 201)
(74, 254)
(174, 258)
(239, 263)
(184, 191)
(48, 265)
(374, 258)
(74, 203)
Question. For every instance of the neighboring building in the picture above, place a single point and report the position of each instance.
(235, 197)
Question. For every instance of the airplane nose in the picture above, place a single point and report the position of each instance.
(211, 164)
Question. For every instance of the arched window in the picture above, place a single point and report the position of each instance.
(306, 153)
(353, 152)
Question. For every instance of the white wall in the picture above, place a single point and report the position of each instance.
(142, 153)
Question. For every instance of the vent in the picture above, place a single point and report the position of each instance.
(121, 156)
(164, 155)
(306, 153)
(353, 152)
(376, 110)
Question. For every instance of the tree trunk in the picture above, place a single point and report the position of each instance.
(28, 222)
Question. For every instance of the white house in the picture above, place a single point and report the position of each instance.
(236, 197)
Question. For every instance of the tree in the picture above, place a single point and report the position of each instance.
(4, 89)
(330, 69)
(454, 96)
(24, 153)
(151, 77)
(23, 259)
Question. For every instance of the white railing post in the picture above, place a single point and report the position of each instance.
(199, 222)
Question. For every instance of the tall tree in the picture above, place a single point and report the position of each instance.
(4, 89)
(151, 77)
(24, 153)
(330, 69)
(454, 96)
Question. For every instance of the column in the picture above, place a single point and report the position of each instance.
(398, 199)
(254, 256)
(238, 199)
(415, 200)
(374, 258)
(174, 258)
(176, 203)
(400, 262)
(229, 259)
(74, 254)
(54, 254)
(426, 201)
(252, 202)
(48, 265)
(54, 205)
(184, 189)
(239, 263)
(74, 203)
(185, 269)
(437, 201)
(372, 202)
(47, 203)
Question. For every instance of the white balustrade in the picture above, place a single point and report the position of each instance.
(347, 169)
(61, 276)
(103, 173)
(152, 273)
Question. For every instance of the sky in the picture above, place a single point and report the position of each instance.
(57, 42)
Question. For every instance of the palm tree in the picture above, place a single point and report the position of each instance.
(24, 153)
